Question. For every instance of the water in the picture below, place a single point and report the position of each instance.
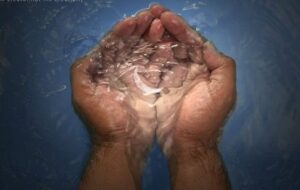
(42, 142)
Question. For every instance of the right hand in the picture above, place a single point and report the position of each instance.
(113, 116)
(106, 118)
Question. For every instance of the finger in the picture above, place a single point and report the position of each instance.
(81, 80)
(156, 31)
(125, 27)
(157, 10)
(222, 67)
(176, 26)
(143, 21)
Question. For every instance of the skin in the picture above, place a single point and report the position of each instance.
(193, 157)
(189, 141)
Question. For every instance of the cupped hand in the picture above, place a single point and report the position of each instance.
(103, 90)
(105, 117)
(207, 99)
(153, 73)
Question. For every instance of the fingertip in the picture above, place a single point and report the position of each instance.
(215, 59)
(172, 23)
(125, 27)
(143, 21)
(157, 23)
(156, 31)
(130, 24)
(180, 29)
(157, 10)
(144, 16)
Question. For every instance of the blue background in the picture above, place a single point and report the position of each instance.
(43, 145)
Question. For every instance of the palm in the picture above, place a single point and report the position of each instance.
(105, 115)
(201, 105)
(104, 90)
(91, 100)
(197, 108)
(199, 114)
(152, 76)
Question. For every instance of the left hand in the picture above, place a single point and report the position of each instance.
(196, 118)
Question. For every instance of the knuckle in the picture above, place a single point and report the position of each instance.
(230, 62)
(76, 64)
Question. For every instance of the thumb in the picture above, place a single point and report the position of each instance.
(81, 79)
(222, 69)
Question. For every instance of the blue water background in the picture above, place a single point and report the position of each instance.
(43, 144)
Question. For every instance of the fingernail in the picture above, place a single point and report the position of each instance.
(148, 17)
(158, 24)
(130, 21)
(175, 23)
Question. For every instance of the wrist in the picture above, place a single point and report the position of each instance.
(108, 168)
(193, 166)
(107, 139)
(189, 147)
(99, 146)
(109, 154)
(186, 153)
(119, 154)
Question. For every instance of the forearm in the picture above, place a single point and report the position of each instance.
(108, 168)
(198, 168)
